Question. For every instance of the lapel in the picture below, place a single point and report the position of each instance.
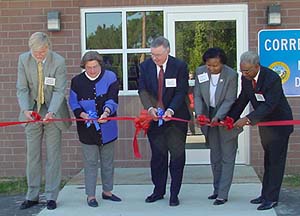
(260, 80)
(153, 77)
(220, 86)
(33, 72)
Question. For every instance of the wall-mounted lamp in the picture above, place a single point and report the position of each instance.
(53, 21)
(274, 16)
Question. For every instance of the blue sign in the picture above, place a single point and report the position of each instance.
(279, 49)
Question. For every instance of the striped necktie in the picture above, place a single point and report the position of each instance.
(40, 98)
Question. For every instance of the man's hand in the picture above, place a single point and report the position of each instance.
(167, 115)
(28, 115)
(48, 116)
(241, 122)
(153, 113)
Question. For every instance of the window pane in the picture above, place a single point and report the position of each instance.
(134, 60)
(113, 62)
(142, 27)
(103, 30)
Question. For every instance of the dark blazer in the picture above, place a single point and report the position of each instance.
(173, 97)
(275, 107)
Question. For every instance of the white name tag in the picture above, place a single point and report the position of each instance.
(259, 97)
(203, 77)
(50, 81)
(192, 82)
(170, 83)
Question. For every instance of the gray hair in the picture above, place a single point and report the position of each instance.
(39, 40)
(160, 41)
(91, 56)
(250, 57)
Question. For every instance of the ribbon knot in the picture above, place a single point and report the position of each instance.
(228, 122)
(93, 115)
(203, 120)
(141, 123)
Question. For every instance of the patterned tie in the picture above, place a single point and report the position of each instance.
(160, 87)
(253, 83)
(40, 98)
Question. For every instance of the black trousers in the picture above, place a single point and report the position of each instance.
(274, 141)
(168, 138)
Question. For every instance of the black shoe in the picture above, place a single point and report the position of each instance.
(174, 201)
(267, 205)
(51, 204)
(153, 197)
(257, 200)
(213, 196)
(112, 197)
(92, 202)
(220, 201)
(28, 203)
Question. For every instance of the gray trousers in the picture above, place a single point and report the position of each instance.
(92, 155)
(34, 135)
(223, 148)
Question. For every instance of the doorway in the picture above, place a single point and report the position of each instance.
(191, 30)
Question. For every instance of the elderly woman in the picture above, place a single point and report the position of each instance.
(94, 95)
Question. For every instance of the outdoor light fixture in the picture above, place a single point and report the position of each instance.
(274, 16)
(53, 21)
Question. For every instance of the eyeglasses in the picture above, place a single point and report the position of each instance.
(88, 68)
(247, 70)
(158, 55)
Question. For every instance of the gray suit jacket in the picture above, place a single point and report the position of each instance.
(226, 94)
(27, 86)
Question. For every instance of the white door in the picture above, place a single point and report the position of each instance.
(193, 29)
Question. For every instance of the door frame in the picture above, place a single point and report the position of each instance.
(237, 12)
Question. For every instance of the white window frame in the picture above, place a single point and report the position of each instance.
(124, 51)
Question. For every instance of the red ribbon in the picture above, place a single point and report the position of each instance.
(142, 122)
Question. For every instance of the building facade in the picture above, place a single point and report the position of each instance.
(122, 32)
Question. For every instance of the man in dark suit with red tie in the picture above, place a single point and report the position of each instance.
(163, 88)
(262, 87)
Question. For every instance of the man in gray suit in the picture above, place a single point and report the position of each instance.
(41, 85)
(215, 91)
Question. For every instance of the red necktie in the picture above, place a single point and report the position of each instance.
(160, 87)
(254, 83)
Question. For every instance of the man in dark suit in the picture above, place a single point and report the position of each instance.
(163, 87)
(262, 87)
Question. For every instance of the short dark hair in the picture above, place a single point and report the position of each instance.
(90, 56)
(214, 52)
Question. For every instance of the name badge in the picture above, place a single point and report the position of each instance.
(50, 81)
(203, 77)
(192, 82)
(259, 97)
(170, 83)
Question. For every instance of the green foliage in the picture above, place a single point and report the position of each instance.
(13, 185)
(194, 38)
(18, 185)
(292, 181)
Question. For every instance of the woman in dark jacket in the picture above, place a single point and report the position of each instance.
(94, 95)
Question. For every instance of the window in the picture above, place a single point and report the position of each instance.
(123, 38)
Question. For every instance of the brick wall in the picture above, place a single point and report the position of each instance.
(20, 18)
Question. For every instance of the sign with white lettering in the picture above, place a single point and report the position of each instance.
(279, 49)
